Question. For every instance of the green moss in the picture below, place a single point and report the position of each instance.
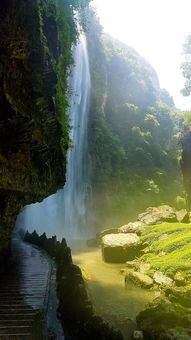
(169, 248)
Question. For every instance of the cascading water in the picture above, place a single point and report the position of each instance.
(66, 212)
(76, 191)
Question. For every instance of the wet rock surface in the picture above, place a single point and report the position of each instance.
(33, 143)
(139, 279)
(24, 294)
(120, 247)
(160, 278)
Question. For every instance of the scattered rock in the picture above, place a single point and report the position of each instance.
(160, 279)
(118, 248)
(143, 267)
(180, 279)
(139, 279)
(182, 216)
(132, 265)
(106, 232)
(180, 295)
(138, 335)
(131, 227)
(123, 271)
(156, 215)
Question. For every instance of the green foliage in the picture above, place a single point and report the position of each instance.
(67, 36)
(169, 248)
(187, 119)
(132, 132)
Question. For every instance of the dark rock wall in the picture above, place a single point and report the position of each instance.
(32, 161)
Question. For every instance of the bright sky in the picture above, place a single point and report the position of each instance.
(157, 30)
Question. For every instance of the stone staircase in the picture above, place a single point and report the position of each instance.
(24, 294)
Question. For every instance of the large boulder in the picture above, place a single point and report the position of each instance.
(139, 279)
(132, 227)
(119, 248)
(156, 215)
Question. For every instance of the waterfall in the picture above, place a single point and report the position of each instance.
(76, 192)
(66, 212)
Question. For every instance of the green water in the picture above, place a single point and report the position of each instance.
(112, 301)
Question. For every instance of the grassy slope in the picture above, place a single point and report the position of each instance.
(169, 248)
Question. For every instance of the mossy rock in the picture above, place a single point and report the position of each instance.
(139, 279)
(155, 215)
(158, 321)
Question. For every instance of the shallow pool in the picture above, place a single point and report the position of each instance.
(115, 303)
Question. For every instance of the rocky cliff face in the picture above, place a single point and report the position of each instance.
(186, 165)
(33, 142)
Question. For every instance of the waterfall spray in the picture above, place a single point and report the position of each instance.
(66, 212)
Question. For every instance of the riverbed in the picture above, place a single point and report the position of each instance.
(114, 302)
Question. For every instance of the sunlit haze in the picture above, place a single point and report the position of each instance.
(157, 30)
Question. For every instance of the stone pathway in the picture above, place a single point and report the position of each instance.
(24, 294)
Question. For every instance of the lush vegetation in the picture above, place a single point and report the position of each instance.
(169, 248)
(134, 130)
(67, 34)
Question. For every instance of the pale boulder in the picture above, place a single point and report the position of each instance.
(156, 215)
(118, 248)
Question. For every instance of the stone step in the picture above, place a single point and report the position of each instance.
(15, 311)
(17, 316)
(18, 305)
(10, 336)
(15, 329)
(23, 292)
(14, 322)
(4, 296)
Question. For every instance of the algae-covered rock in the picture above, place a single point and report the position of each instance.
(132, 264)
(143, 267)
(139, 279)
(156, 215)
(160, 279)
(131, 227)
(138, 335)
(180, 295)
(118, 248)
(164, 320)
(180, 278)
